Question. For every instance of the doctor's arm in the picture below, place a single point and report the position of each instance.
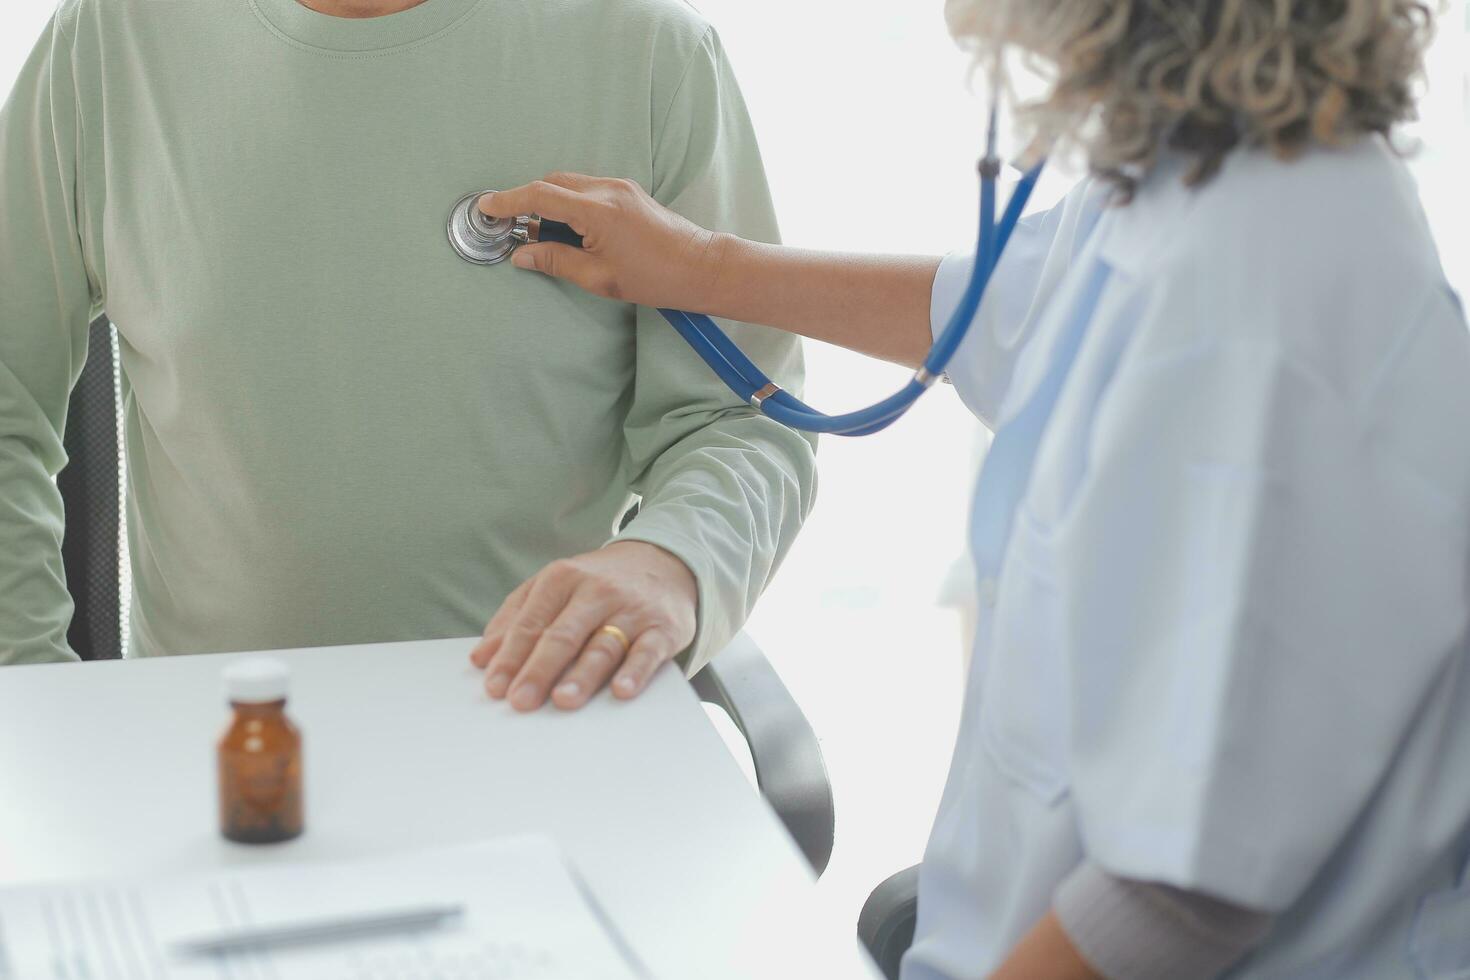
(638, 250)
(46, 301)
(889, 307)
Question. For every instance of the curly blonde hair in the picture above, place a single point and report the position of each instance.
(1202, 77)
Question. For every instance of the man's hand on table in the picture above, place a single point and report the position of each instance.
(547, 638)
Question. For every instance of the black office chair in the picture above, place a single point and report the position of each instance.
(93, 502)
(788, 761)
(886, 924)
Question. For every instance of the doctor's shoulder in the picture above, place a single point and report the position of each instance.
(1328, 250)
(1340, 205)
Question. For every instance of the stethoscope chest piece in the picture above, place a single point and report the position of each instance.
(481, 239)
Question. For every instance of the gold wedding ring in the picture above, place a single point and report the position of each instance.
(618, 635)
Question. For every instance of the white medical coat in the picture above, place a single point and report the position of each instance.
(1223, 641)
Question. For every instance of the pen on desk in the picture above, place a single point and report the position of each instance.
(320, 930)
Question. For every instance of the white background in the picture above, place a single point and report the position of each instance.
(870, 136)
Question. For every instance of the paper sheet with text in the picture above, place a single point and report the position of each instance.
(526, 917)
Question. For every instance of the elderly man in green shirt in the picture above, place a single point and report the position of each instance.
(337, 430)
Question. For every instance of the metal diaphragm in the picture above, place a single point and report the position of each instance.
(479, 238)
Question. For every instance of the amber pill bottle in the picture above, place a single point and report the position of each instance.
(259, 756)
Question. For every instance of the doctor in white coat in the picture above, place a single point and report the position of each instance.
(1218, 721)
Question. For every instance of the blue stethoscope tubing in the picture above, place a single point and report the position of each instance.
(751, 384)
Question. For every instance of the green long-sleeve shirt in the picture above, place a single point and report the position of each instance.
(338, 431)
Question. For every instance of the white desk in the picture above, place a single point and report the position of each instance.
(108, 768)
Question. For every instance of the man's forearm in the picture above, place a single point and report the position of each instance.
(35, 607)
(727, 501)
(45, 307)
(873, 304)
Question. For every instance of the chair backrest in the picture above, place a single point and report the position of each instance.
(90, 549)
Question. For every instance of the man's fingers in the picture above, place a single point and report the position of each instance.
(577, 266)
(650, 650)
(495, 629)
(600, 657)
(557, 646)
(539, 197)
(542, 606)
(557, 634)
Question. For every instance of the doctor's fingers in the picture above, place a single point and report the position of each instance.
(573, 631)
(577, 266)
(544, 198)
(575, 181)
(520, 630)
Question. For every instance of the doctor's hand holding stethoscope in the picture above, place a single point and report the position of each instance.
(1218, 720)
(637, 251)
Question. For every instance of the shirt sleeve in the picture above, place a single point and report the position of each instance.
(1042, 248)
(46, 302)
(1266, 578)
(724, 488)
(1138, 930)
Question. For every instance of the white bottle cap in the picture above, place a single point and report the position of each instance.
(256, 680)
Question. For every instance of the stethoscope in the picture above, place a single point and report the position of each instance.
(487, 241)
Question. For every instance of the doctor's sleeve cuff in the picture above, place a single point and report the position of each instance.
(1144, 931)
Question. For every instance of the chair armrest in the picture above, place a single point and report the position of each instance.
(788, 761)
(886, 925)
